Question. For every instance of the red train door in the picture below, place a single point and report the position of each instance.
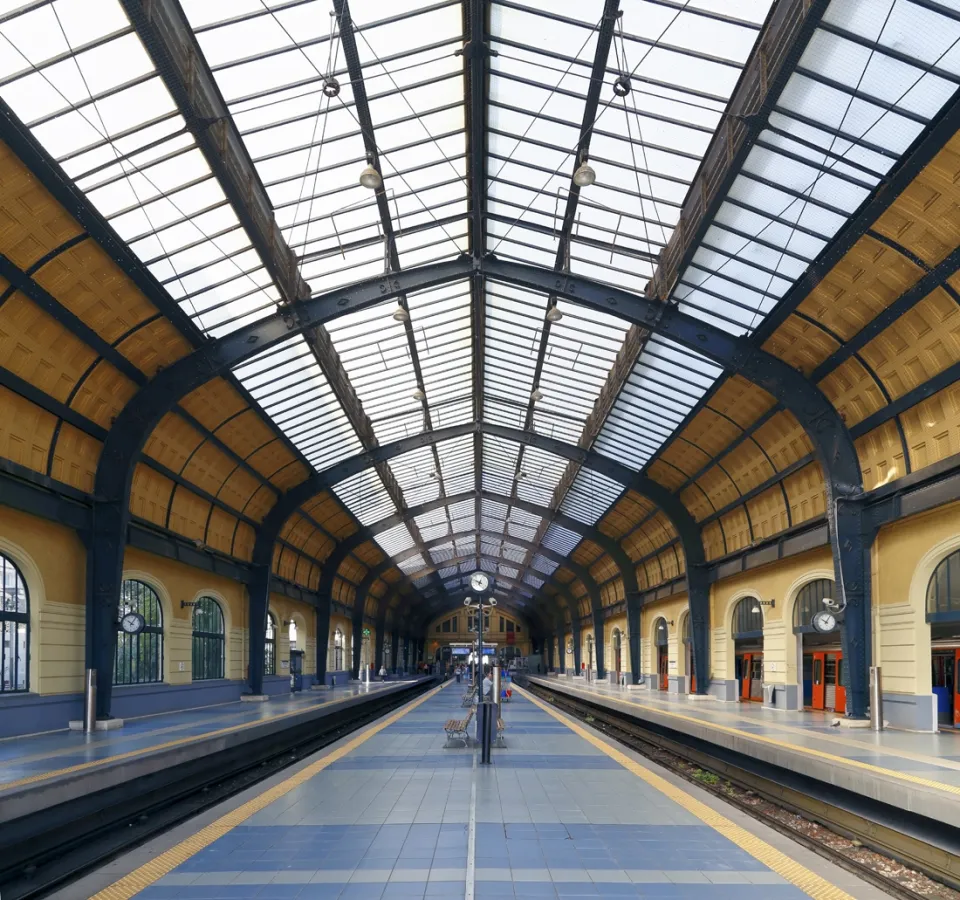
(745, 671)
(818, 685)
(841, 704)
(956, 688)
(662, 667)
(693, 669)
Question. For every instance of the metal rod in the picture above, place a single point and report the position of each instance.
(876, 698)
(90, 702)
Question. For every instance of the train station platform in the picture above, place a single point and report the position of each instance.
(393, 812)
(919, 772)
(43, 770)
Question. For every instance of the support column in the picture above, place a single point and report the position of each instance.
(395, 661)
(698, 597)
(598, 643)
(406, 653)
(381, 640)
(323, 638)
(851, 554)
(633, 627)
(357, 625)
(577, 638)
(563, 650)
(105, 548)
(258, 599)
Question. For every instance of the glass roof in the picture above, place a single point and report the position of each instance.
(83, 81)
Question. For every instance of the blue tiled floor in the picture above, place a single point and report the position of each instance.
(390, 820)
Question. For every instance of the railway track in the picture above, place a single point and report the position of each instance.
(884, 846)
(46, 852)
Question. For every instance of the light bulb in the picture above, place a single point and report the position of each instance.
(418, 394)
(554, 314)
(536, 395)
(370, 178)
(584, 176)
(400, 314)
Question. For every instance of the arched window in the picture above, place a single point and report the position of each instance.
(338, 651)
(270, 647)
(660, 632)
(943, 591)
(292, 635)
(685, 631)
(14, 628)
(810, 601)
(139, 656)
(747, 620)
(208, 640)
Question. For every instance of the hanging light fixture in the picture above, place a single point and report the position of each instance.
(585, 175)
(370, 178)
(400, 314)
(553, 314)
(536, 395)
(418, 394)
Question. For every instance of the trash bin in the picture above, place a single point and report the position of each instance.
(486, 728)
(769, 695)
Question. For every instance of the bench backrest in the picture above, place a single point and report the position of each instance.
(469, 715)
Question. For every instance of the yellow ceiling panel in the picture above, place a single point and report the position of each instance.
(768, 513)
(150, 495)
(801, 344)
(156, 345)
(25, 434)
(75, 457)
(866, 281)
(710, 431)
(881, 456)
(32, 223)
(216, 401)
(920, 344)
(806, 492)
(853, 391)
(933, 427)
(747, 466)
(172, 442)
(783, 440)
(740, 400)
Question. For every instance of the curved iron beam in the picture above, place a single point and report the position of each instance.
(832, 442)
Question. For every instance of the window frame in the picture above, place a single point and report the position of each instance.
(208, 639)
(16, 619)
(135, 641)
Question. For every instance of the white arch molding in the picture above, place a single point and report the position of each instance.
(36, 601)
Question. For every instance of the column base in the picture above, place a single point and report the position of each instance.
(844, 722)
(254, 698)
(101, 724)
(697, 698)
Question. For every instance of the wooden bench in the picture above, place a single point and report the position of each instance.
(469, 698)
(500, 729)
(457, 729)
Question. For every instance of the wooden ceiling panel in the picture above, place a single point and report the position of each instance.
(783, 440)
(711, 432)
(75, 457)
(603, 569)
(853, 391)
(638, 544)
(189, 514)
(747, 466)
(150, 495)
(173, 442)
(881, 456)
(103, 395)
(26, 431)
(806, 492)
(665, 474)
(768, 513)
(736, 529)
(801, 344)
(586, 553)
(209, 468)
(740, 400)
(696, 502)
(925, 218)
(156, 345)
(933, 427)
(718, 486)
(865, 282)
(713, 546)
(920, 344)
(220, 530)
(216, 401)
(630, 509)
(243, 541)
(254, 498)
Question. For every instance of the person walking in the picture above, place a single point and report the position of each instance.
(459, 674)
(383, 673)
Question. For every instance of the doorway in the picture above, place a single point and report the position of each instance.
(689, 657)
(747, 630)
(663, 657)
(617, 653)
(823, 676)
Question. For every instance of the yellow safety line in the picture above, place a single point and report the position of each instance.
(140, 879)
(789, 869)
(80, 767)
(780, 745)
(657, 705)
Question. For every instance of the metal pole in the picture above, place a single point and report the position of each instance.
(876, 698)
(90, 702)
(496, 688)
(480, 650)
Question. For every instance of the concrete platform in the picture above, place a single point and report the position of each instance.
(913, 771)
(392, 813)
(40, 771)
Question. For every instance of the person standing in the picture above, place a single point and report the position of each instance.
(487, 684)
(383, 673)
(459, 672)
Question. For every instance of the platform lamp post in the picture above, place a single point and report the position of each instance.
(365, 656)
(589, 657)
(480, 584)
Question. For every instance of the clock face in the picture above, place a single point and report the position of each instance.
(132, 623)
(479, 582)
(824, 622)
